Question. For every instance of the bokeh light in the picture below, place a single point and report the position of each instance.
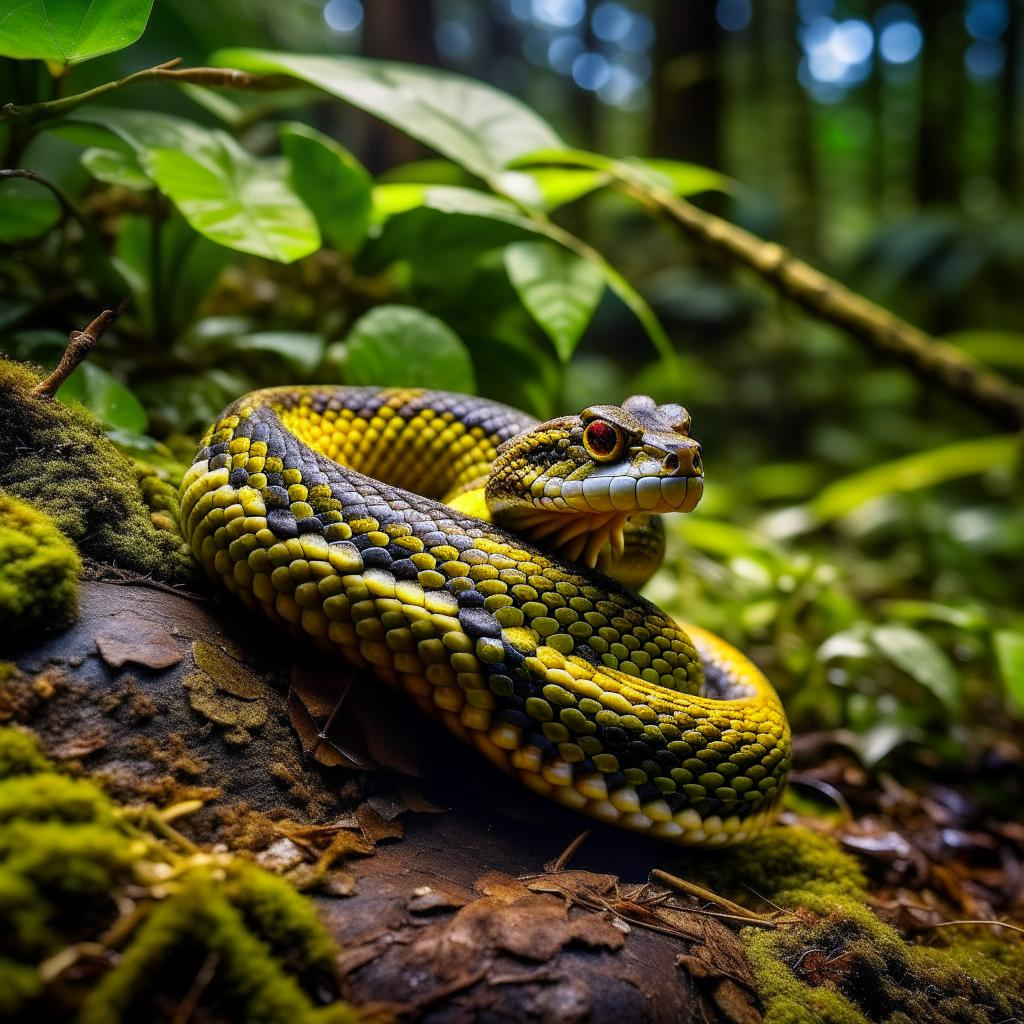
(343, 16)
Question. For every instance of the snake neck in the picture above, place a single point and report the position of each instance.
(579, 538)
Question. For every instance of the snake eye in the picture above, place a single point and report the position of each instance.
(602, 440)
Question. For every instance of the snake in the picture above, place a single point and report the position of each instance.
(486, 564)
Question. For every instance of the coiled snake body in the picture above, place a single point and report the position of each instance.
(359, 519)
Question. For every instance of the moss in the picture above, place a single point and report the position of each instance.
(200, 926)
(58, 458)
(780, 865)
(66, 854)
(20, 754)
(848, 967)
(39, 570)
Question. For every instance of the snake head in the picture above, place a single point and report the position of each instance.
(591, 472)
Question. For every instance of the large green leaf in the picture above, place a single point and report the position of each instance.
(920, 658)
(548, 188)
(222, 190)
(331, 182)
(560, 290)
(69, 31)
(106, 397)
(27, 210)
(473, 124)
(401, 345)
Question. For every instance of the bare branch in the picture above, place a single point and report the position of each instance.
(80, 344)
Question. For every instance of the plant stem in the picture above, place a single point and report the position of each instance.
(827, 298)
(225, 78)
(80, 344)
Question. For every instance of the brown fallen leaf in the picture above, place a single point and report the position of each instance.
(128, 637)
(376, 827)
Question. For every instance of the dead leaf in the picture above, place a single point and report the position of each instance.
(377, 828)
(128, 637)
(736, 1003)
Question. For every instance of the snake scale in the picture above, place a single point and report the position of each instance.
(366, 520)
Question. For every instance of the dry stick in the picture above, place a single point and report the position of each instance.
(826, 298)
(999, 924)
(80, 344)
(691, 889)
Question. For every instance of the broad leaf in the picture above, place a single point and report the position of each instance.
(473, 124)
(1009, 648)
(560, 290)
(113, 167)
(27, 210)
(222, 190)
(400, 345)
(920, 658)
(331, 182)
(69, 31)
(106, 397)
(299, 351)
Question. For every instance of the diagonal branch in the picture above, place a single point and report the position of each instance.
(823, 296)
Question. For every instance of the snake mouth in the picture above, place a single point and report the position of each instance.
(656, 495)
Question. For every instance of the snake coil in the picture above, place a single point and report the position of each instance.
(323, 509)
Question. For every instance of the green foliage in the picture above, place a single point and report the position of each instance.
(27, 210)
(69, 31)
(331, 182)
(39, 570)
(406, 347)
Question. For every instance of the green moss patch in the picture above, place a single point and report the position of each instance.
(838, 963)
(77, 868)
(39, 570)
(58, 459)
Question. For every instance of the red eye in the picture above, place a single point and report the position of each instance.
(601, 439)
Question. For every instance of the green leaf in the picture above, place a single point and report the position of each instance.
(403, 346)
(236, 200)
(560, 290)
(920, 658)
(909, 473)
(116, 168)
(548, 188)
(1009, 648)
(678, 177)
(223, 191)
(473, 124)
(27, 210)
(69, 31)
(331, 182)
(106, 397)
(300, 351)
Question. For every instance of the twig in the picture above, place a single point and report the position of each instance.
(69, 207)
(80, 344)
(830, 300)
(692, 889)
(998, 924)
(559, 863)
(223, 78)
(201, 982)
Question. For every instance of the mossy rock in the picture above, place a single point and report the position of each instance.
(39, 570)
(58, 459)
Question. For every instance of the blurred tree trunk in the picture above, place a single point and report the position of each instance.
(687, 87)
(942, 92)
(1008, 152)
(395, 30)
